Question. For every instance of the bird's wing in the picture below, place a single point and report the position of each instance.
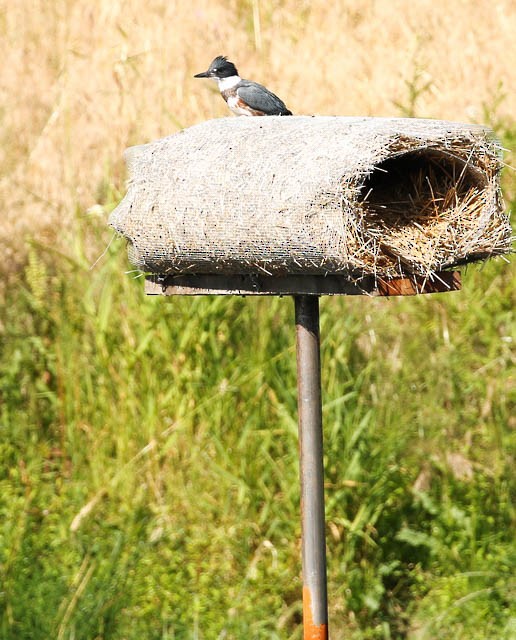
(261, 99)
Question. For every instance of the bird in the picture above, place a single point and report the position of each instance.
(243, 97)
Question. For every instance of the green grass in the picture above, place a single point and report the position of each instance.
(149, 465)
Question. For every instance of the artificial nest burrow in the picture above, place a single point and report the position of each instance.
(315, 195)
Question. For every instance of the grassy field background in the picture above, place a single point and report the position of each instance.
(148, 448)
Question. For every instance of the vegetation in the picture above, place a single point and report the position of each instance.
(148, 447)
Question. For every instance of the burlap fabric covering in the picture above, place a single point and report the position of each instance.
(314, 195)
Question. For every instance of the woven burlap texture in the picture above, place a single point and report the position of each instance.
(280, 195)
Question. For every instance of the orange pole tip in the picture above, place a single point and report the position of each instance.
(311, 631)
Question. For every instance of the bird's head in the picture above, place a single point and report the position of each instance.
(220, 67)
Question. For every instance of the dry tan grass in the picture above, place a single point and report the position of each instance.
(81, 80)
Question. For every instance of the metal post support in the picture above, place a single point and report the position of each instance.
(315, 600)
(305, 289)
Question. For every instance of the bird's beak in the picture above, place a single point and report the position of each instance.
(204, 74)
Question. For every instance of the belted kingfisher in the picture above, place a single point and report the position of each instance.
(243, 97)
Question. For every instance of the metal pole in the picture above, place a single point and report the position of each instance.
(315, 600)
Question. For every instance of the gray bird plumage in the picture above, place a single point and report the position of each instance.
(260, 98)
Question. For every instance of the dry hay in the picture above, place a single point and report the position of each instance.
(428, 213)
(316, 195)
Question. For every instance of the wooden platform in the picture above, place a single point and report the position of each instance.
(331, 285)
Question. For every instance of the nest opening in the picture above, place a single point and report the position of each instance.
(410, 201)
(416, 186)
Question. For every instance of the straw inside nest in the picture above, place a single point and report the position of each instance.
(421, 209)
